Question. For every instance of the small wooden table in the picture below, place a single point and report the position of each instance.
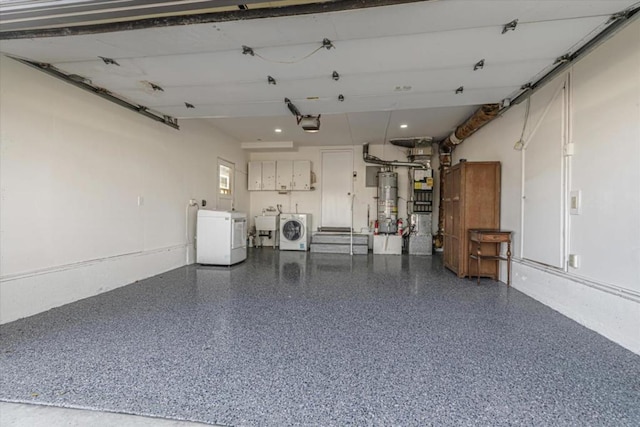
(477, 237)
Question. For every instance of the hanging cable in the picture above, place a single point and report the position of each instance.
(288, 62)
(526, 118)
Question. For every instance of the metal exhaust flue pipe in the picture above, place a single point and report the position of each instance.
(375, 160)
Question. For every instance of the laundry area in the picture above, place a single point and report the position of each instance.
(319, 213)
(345, 202)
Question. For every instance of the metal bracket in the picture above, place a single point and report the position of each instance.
(109, 61)
(511, 26)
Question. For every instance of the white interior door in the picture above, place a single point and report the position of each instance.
(337, 187)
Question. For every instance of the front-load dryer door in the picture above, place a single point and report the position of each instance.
(292, 230)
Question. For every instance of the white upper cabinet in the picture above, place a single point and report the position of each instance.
(269, 175)
(280, 175)
(284, 170)
(262, 175)
(255, 176)
(301, 175)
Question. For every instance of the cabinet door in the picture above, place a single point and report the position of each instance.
(255, 176)
(269, 175)
(301, 175)
(284, 170)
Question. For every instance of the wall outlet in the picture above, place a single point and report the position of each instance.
(574, 261)
(569, 149)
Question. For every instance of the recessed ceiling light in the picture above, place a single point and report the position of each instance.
(277, 130)
(404, 126)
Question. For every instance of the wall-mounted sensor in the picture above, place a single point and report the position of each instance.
(575, 202)
(204, 203)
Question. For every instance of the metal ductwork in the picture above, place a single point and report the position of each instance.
(422, 141)
(375, 160)
(481, 117)
(419, 149)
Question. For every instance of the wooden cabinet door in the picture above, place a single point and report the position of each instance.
(451, 218)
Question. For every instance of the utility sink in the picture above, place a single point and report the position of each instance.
(266, 222)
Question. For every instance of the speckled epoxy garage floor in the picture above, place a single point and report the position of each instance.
(290, 338)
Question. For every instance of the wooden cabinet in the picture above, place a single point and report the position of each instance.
(471, 201)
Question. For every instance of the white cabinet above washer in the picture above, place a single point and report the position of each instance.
(262, 175)
(280, 175)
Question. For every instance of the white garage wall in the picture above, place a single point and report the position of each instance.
(73, 167)
(604, 107)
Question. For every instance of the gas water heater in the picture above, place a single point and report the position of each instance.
(387, 202)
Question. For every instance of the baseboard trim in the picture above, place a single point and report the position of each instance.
(612, 315)
(27, 294)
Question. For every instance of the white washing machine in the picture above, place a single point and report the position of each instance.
(295, 232)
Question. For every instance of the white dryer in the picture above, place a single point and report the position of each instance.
(295, 232)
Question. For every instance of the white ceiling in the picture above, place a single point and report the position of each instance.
(397, 64)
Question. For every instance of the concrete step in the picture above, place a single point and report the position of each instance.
(339, 238)
(324, 248)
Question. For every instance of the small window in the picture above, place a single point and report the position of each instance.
(225, 179)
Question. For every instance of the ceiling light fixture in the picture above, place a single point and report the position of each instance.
(404, 126)
(277, 130)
